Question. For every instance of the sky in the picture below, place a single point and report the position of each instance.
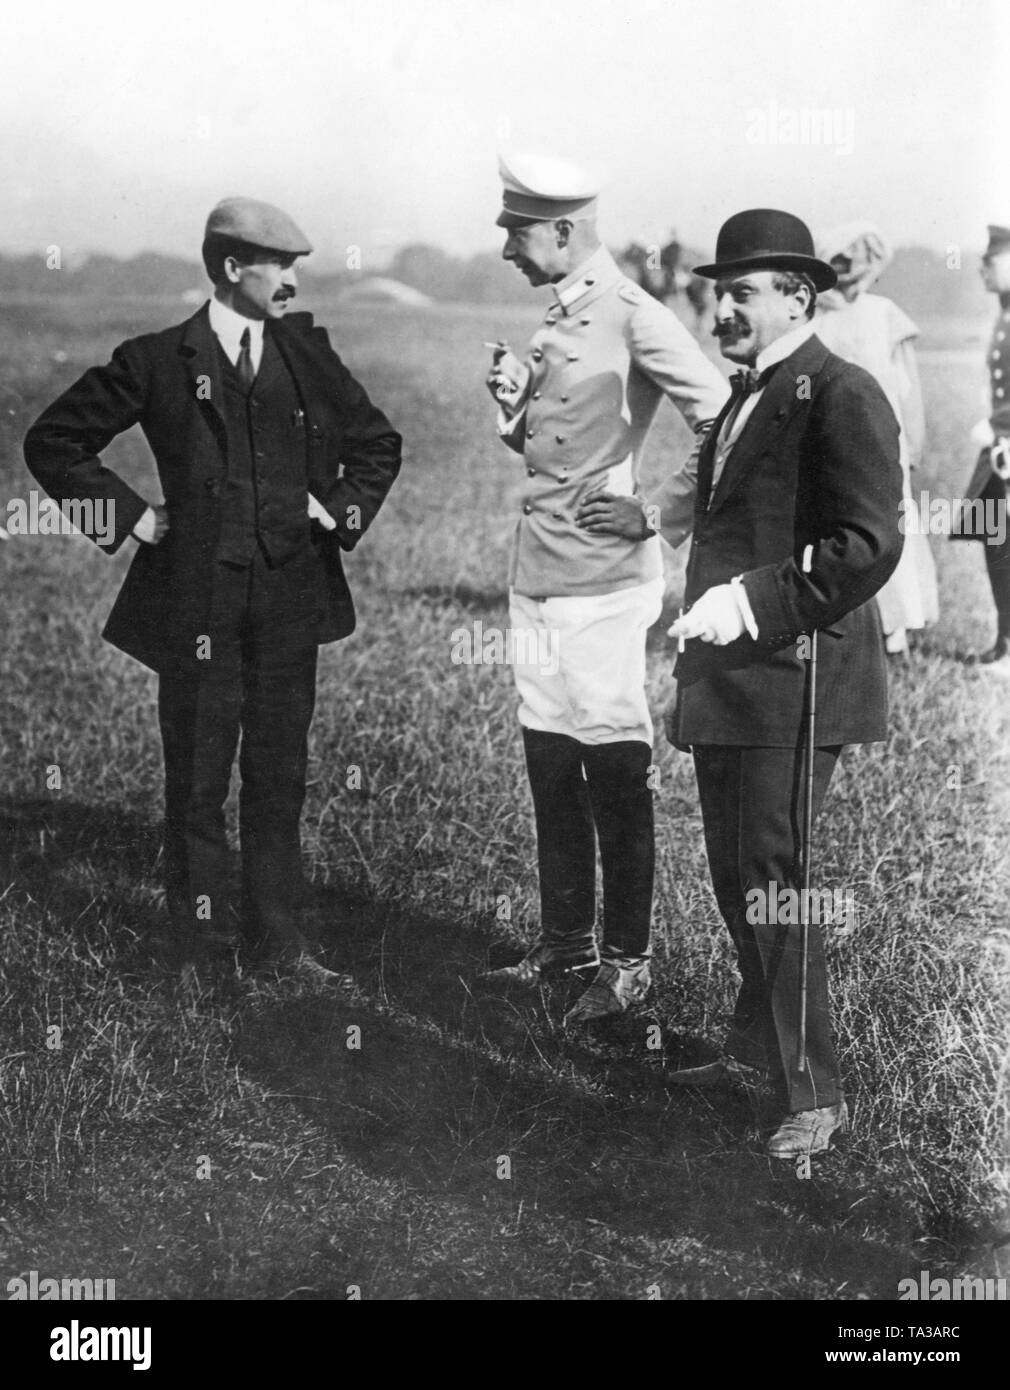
(377, 123)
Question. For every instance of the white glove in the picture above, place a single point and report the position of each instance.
(981, 435)
(716, 617)
(319, 513)
(152, 527)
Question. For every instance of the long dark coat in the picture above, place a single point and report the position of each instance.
(815, 464)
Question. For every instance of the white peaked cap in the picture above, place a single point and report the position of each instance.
(541, 188)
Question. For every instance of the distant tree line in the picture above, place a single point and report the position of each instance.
(919, 279)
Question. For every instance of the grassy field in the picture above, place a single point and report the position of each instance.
(243, 1149)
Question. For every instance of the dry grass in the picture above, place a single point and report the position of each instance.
(377, 1167)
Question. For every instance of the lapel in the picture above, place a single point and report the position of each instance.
(779, 401)
(271, 363)
(199, 352)
(308, 372)
(706, 459)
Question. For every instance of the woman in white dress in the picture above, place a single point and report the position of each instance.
(872, 331)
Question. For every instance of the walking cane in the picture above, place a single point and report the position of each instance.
(808, 818)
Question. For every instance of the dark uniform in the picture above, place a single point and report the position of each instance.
(987, 485)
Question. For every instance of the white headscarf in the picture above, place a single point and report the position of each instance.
(869, 252)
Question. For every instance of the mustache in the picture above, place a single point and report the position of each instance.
(723, 330)
(281, 295)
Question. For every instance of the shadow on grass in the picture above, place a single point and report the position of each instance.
(451, 1078)
(474, 1098)
(83, 862)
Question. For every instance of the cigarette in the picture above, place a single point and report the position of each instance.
(497, 347)
(680, 640)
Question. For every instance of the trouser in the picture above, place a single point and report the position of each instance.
(752, 810)
(989, 498)
(583, 793)
(258, 685)
(588, 740)
(997, 562)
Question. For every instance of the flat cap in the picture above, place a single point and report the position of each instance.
(538, 188)
(258, 224)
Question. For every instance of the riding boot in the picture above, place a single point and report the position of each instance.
(621, 799)
(566, 844)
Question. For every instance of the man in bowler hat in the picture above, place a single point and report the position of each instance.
(272, 460)
(801, 465)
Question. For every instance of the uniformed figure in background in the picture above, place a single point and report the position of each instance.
(587, 572)
(272, 460)
(988, 483)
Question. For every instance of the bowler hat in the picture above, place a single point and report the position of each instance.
(765, 239)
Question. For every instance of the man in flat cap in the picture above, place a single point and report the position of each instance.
(797, 526)
(587, 572)
(989, 481)
(272, 460)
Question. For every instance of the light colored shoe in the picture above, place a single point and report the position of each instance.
(727, 1071)
(808, 1132)
(613, 991)
(547, 958)
(307, 967)
(996, 661)
(998, 666)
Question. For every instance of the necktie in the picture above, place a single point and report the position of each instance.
(747, 381)
(244, 363)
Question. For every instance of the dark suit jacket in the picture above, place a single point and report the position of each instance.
(170, 384)
(815, 464)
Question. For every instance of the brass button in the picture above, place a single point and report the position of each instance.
(527, 508)
(572, 356)
(530, 434)
(536, 395)
(564, 400)
(536, 354)
(560, 438)
(590, 281)
(585, 322)
(531, 472)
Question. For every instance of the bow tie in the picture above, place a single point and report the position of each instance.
(748, 380)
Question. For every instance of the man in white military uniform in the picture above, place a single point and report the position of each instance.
(587, 571)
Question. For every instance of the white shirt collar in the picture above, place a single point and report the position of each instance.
(229, 327)
(785, 346)
(599, 267)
